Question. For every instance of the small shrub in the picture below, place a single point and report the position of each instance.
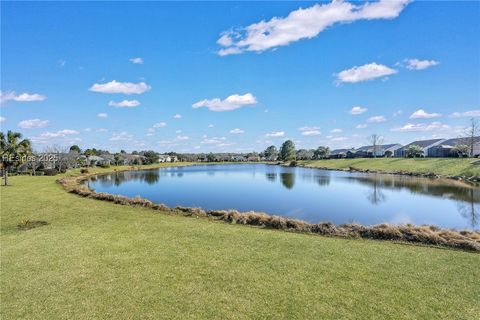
(50, 172)
(293, 163)
(26, 224)
(84, 170)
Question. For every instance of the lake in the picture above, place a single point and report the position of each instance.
(312, 195)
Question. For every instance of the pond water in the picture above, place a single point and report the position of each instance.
(312, 195)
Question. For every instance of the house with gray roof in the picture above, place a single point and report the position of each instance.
(386, 150)
(447, 148)
(424, 144)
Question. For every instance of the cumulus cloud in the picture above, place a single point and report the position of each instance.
(211, 126)
(336, 131)
(23, 97)
(33, 123)
(120, 87)
(364, 73)
(2, 119)
(361, 126)
(416, 64)
(180, 137)
(230, 103)
(309, 131)
(136, 60)
(62, 136)
(177, 116)
(237, 131)
(159, 125)
(213, 140)
(357, 110)
(466, 114)
(422, 114)
(376, 119)
(410, 127)
(102, 115)
(121, 136)
(303, 24)
(124, 104)
(275, 134)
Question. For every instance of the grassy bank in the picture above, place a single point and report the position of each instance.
(100, 260)
(440, 166)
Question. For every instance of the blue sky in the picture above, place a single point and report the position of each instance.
(233, 76)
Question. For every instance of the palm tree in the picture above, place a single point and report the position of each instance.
(13, 151)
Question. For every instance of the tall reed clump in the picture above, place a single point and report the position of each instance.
(428, 235)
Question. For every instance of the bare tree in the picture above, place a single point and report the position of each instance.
(472, 135)
(375, 140)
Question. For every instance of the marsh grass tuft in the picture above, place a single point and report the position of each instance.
(26, 224)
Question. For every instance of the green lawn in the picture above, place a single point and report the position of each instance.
(440, 166)
(98, 260)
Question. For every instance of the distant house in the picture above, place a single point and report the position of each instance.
(341, 153)
(132, 159)
(239, 158)
(386, 150)
(97, 161)
(447, 148)
(424, 144)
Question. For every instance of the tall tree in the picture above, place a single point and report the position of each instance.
(13, 151)
(287, 151)
(321, 153)
(375, 140)
(472, 137)
(414, 151)
(75, 148)
(271, 153)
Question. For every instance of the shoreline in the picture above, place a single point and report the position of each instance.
(427, 235)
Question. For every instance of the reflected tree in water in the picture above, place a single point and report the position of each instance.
(470, 211)
(288, 179)
(323, 180)
(271, 176)
(376, 196)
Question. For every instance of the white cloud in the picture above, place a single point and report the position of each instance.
(275, 134)
(213, 140)
(466, 114)
(357, 110)
(177, 116)
(2, 119)
(102, 130)
(336, 131)
(309, 131)
(125, 104)
(237, 131)
(397, 113)
(122, 136)
(33, 123)
(59, 134)
(211, 126)
(421, 114)
(159, 125)
(120, 87)
(24, 97)
(416, 64)
(361, 126)
(232, 102)
(136, 60)
(179, 137)
(102, 115)
(303, 24)
(410, 127)
(87, 129)
(376, 119)
(364, 73)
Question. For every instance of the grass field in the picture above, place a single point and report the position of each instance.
(441, 166)
(98, 260)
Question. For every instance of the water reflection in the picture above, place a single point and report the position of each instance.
(288, 179)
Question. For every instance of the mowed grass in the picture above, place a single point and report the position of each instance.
(98, 260)
(440, 166)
